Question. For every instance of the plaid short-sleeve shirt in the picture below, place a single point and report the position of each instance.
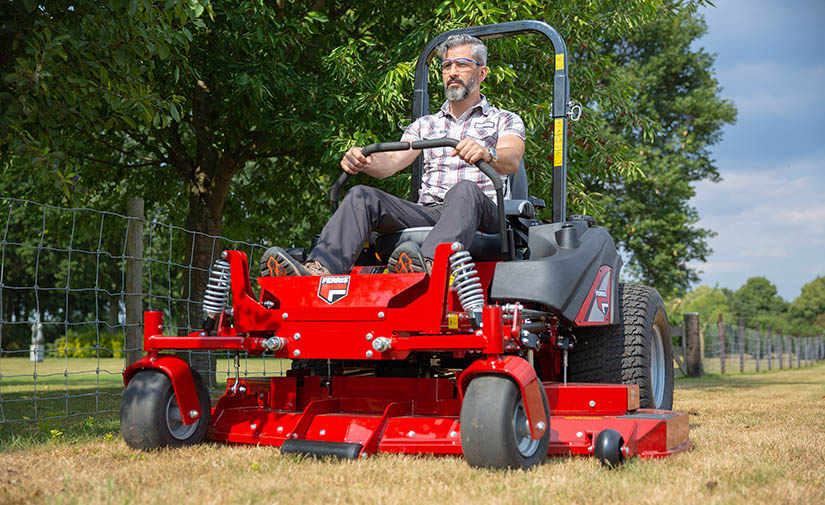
(482, 122)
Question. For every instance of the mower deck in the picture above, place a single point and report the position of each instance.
(361, 416)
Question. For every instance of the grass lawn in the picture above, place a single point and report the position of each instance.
(757, 439)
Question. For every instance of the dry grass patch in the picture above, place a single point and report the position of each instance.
(758, 439)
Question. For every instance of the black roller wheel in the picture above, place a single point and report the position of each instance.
(608, 448)
(637, 350)
(150, 417)
(494, 429)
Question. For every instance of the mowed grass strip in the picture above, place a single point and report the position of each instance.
(757, 439)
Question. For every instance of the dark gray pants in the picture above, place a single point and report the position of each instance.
(366, 209)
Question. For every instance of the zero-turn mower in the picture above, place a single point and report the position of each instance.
(525, 345)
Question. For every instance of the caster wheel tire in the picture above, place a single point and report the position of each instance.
(494, 426)
(150, 417)
(608, 448)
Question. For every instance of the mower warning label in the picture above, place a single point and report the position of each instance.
(332, 289)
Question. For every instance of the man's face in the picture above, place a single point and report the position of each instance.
(458, 82)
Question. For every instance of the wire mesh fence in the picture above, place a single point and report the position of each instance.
(63, 297)
(728, 348)
(67, 281)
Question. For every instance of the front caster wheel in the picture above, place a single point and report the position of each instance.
(494, 428)
(608, 448)
(150, 417)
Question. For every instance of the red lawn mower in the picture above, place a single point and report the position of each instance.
(522, 346)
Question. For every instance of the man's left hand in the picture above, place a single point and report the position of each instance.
(471, 151)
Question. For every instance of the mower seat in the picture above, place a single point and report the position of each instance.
(485, 246)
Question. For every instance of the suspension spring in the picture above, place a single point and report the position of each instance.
(217, 289)
(465, 280)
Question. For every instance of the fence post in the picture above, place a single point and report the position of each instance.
(741, 338)
(790, 349)
(798, 354)
(134, 281)
(721, 328)
(804, 346)
(693, 352)
(807, 348)
(781, 343)
(758, 347)
(770, 348)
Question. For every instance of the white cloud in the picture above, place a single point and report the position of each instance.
(768, 223)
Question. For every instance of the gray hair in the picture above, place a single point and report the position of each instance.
(479, 49)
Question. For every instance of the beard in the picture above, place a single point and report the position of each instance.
(463, 90)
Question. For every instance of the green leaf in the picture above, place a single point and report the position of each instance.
(163, 51)
(174, 111)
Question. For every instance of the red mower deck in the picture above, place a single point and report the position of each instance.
(415, 416)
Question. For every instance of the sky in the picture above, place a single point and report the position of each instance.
(769, 209)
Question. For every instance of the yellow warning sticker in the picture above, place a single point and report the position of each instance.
(558, 142)
(452, 321)
(560, 61)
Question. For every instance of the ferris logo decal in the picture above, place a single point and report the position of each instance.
(332, 289)
(596, 308)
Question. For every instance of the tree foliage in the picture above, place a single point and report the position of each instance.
(756, 301)
(808, 310)
(678, 96)
(230, 117)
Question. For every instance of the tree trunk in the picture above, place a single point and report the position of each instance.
(207, 176)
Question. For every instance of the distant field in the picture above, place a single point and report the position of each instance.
(757, 439)
(84, 386)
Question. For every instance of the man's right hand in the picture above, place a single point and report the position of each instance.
(354, 161)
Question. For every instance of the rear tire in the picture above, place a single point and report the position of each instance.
(494, 429)
(637, 350)
(150, 417)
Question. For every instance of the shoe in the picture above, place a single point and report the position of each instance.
(407, 259)
(315, 268)
(276, 262)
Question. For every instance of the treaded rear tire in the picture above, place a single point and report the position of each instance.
(621, 354)
(489, 435)
(144, 421)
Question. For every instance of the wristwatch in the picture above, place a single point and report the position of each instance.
(493, 155)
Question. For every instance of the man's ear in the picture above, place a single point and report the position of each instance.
(482, 74)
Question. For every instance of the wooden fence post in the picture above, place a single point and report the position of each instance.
(798, 354)
(721, 328)
(758, 349)
(134, 281)
(781, 348)
(769, 336)
(693, 352)
(741, 345)
(790, 349)
(807, 348)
